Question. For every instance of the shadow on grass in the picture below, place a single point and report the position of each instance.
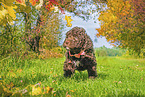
(80, 76)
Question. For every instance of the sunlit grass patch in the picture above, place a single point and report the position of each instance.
(116, 77)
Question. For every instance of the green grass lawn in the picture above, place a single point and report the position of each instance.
(117, 77)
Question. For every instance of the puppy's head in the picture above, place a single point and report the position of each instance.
(75, 38)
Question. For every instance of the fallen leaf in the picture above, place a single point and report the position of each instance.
(115, 82)
(68, 95)
(36, 90)
(48, 89)
(72, 90)
(119, 82)
(19, 70)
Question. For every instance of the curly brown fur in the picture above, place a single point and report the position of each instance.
(80, 54)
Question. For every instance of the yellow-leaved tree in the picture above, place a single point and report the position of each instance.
(7, 12)
(121, 26)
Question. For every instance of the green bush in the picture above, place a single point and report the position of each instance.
(103, 51)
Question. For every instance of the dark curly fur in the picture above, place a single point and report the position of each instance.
(80, 54)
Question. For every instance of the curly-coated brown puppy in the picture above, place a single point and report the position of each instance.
(80, 54)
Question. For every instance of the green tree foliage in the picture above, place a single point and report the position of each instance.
(35, 23)
(30, 23)
(10, 40)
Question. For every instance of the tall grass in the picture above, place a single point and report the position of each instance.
(117, 77)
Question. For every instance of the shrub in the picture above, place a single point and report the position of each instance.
(55, 52)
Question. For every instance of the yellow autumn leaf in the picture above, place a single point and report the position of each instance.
(68, 19)
(48, 89)
(72, 90)
(22, 2)
(11, 22)
(36, 90)
(19, 70)
(11, 11)
(11, 74)
(51, 9)
(3, 13)
(39, 5)
(33, 2)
